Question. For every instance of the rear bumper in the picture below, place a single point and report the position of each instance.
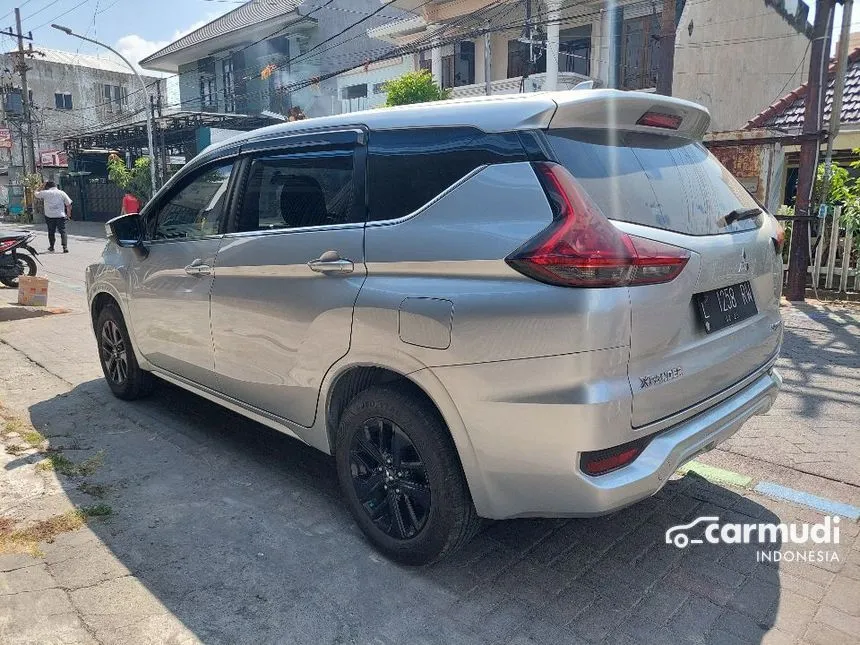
(529, 422)
(672, 448)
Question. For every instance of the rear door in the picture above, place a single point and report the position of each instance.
(718, 322)
(289, 273)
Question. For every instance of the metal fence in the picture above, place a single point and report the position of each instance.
(93, 199)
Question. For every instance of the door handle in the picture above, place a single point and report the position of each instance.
(197, 268)
(330, 262)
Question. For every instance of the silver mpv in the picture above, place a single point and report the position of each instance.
(535, 305)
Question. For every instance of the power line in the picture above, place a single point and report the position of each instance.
(11, 11)
(389, 53)
(36, 13)
(67, 11)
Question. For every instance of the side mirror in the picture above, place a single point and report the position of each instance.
(127, 231)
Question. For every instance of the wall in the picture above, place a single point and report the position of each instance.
(376, 73)
(740, 57)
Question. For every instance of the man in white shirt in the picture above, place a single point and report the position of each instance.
(58, 208)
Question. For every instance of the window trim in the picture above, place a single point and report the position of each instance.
(155, 206)
(309, 146)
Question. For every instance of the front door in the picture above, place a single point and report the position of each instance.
(170, 286)
(288, 278)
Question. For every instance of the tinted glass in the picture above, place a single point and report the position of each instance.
(297, 191)
(408, 168)
(197, 209)
(659, 181)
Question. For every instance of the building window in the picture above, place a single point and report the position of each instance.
(459, 68)
(354, 91)
(229, 87)
(639, 52)
(519, 57)
(379, 88)
(207, 91)
(425, 60)
(62, 101)
(574, 50)
(114, 98)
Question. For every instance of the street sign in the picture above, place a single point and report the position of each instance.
(5, 138)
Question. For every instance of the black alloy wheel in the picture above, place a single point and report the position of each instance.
(390, 478)
(401, 476)
(114, 352)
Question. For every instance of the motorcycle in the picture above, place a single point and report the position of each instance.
(14, 263)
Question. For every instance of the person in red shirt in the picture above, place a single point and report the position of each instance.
(130, 204)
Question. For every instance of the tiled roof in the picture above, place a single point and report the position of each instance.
(787, 113)
(248, 15)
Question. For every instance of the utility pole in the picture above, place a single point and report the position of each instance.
(838, 92)
(667, 49)
(162, 144)
(29, 160)
(798, 260)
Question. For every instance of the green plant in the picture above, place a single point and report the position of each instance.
(135, 180)
(99, 510)
(414, 87)
(33, 181)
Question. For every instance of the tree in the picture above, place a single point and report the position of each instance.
(414, 87)
(135, 180)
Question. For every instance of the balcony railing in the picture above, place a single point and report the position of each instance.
(533, 83)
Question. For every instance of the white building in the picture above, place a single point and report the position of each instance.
(733, 56)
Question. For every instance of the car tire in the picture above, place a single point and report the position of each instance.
(30, 270)
(392, 431)
(116, 354)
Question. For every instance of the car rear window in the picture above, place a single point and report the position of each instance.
(655, 180)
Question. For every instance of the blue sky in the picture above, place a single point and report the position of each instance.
(138, 27)
(135, 27)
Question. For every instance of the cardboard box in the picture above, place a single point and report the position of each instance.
(32, 291)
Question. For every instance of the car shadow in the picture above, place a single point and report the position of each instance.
(240, 532)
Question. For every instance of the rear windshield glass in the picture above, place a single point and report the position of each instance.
(664, 182)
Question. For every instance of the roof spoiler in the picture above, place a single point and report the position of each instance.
(637, 111)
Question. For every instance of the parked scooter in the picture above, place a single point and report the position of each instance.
(14, 263)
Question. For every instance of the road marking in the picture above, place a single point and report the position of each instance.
(716, 475)
(769, 489)
(822, 504)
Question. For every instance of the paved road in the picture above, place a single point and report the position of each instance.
(223, 531)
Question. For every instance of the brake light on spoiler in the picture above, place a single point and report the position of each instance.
(582, 248)
(660, 120)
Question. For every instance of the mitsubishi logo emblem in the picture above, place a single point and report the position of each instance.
(744, 266)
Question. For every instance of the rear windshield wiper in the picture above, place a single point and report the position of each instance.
(742, 213)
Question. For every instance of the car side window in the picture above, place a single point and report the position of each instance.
(298, 191)
(197, 209)
(406, 168)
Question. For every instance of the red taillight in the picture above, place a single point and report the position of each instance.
(660, 120)
(600, 462)
(581, 248)
(8, 244)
